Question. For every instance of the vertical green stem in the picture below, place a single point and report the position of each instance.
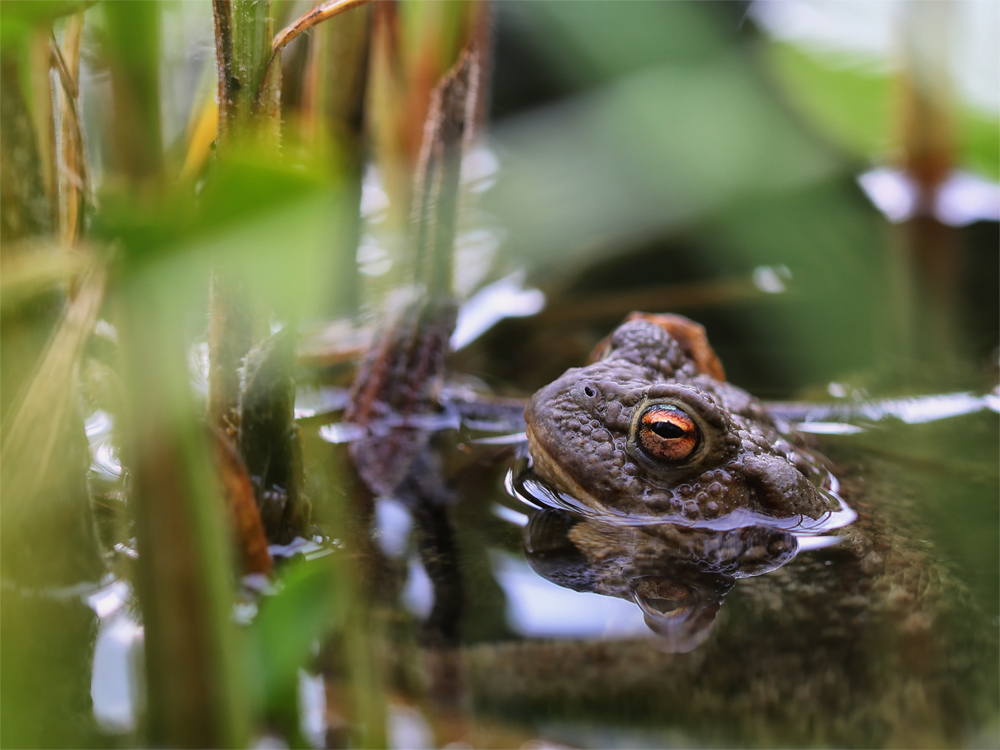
(230, 336)
(194, 696)
(333, 110)
(243, 32)
(133, 49)
(249, 105)
(183, 581)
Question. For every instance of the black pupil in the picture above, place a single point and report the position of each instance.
(667, 430)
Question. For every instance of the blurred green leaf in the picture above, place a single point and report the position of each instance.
(658, 148)
(276, 224)
(40, 11)
(847, 103)
(18, 18)
(831, 244)
(31, 448)
(272, 221)
(980, 144)
(132, 48)
(853, 105)
(310, 606)
(244, 184)
(184, 572)
(596, 42)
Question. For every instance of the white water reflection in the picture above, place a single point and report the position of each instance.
(418, 595)
(408, 730)
(506, 298)
(509, 515)
(103, 456)
(962, 199)
(393, 523)
(932, 408)
(839, 418)
(312, 708)
(829, 428)
(771, 280)
(117, 650)
(537, 608)
(311, 401)
(198, 368)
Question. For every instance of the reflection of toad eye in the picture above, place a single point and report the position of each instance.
(668, 432)
(663, 596)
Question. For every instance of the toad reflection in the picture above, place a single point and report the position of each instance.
(678, 576)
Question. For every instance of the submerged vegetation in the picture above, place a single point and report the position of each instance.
(240, 237)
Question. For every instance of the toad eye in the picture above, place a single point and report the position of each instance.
(668, 432)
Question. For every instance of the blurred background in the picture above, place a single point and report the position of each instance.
(814, 182)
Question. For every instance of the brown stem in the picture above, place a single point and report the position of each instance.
(73, 167)
(223, 20)
(66, 78)
(25, 208)
(435, 211)
(932, 255)
(317, 15)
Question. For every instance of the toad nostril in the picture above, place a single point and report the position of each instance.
(589, 391)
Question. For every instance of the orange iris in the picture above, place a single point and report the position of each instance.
(668, 432)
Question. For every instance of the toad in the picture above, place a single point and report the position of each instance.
(650, 428)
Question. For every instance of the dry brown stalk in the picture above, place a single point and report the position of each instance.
(73, 173)
(320, 13)
(247, 528)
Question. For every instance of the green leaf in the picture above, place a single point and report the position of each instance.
(846, 103)
(310, 606)
(979, 139)
(36, 11)
(853, 107)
